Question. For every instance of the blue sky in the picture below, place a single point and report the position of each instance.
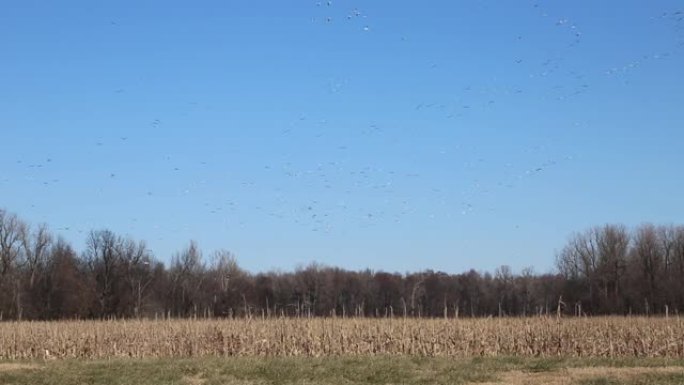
(392, 135)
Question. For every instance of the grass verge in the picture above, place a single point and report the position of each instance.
(340, 370)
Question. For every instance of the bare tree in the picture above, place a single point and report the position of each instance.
(596, 260)
(136, 263)
(226, 277)
(649, 260)
(678, 262)
(11, 230)
(187, 275)
(417, 291)
(103, 258)
(67, 292)
(36, 247)
(613, 246)
(503, 277)
(525, 283)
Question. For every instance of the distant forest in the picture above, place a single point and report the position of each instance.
(604, 270)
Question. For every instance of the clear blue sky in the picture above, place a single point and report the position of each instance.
(391, 135)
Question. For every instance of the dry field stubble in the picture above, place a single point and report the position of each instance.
(525, 337)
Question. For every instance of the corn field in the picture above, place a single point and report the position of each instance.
(549, 336)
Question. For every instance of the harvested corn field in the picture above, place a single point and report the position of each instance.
(526, 337)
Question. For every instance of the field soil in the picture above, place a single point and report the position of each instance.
(568, 376)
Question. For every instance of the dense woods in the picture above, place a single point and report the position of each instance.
(603, 270)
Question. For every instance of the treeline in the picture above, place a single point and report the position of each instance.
(605, 270)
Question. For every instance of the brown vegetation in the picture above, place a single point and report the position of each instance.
(531, 337)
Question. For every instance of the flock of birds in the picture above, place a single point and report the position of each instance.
(337, 189)
(353, 14)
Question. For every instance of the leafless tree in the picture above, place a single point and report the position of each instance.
(649, 260)
(11, 230)
(187, 277)
(613, 246)
(103, 259)
(136, 263)
(36, 248)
